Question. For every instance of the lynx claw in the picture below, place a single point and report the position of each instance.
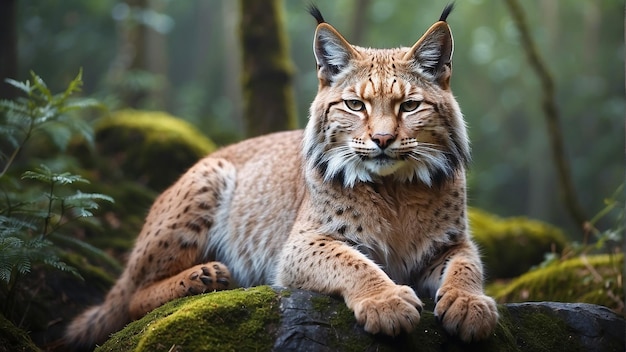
(204, 278)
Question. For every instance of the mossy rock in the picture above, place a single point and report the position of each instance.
(151, 147)
(235, 320)
(592, 279)
(278, 319)
(511, 246)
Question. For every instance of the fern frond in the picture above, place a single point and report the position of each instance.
(11, 256)
(44, 114)
(68, 178)
(42, 174)
(23, 86)
(37, 242)
(9, 242)
(11, 226)
(45, 175)
(75, 85)
(17, 106)
(6, 269)
(23, 264)
(80, 197)
(40, 86)
(56, 263)
(83, 103)
(81, 204)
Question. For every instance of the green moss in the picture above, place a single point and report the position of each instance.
(535, 331)
(512, 246)
(234, 320)
(150, 147)
(593, 279)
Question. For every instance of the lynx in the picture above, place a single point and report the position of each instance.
(368, 202)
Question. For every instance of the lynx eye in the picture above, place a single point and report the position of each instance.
(355, 105)
(410, 105)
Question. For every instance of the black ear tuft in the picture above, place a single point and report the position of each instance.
(315, 12)
(446, 12)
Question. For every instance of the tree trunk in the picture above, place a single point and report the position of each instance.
(8, 47)
(267, 71)
(155, 60)
(138, 71)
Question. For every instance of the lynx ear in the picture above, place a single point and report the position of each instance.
(432, 54)
(332, 53)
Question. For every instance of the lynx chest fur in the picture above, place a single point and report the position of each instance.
(367, 202)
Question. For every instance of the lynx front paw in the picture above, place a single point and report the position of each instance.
(205, 278)
(391, 311)
(470, 316)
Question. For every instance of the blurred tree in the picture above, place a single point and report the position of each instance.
(552, 117)
(269, 104)
(137, 74)
(358, 20)
(8, 47)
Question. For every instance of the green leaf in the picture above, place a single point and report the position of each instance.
(10, 226)
(56, 263)
(67, 178)
(23, 86)
(79, 196)
(41, 86)
(75, 85)
(44, 174)
(14, 107)
(84, 103)
(45, 114)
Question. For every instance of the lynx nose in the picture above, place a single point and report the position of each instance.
(383, 140)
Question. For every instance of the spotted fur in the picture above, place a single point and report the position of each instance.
(368, 202)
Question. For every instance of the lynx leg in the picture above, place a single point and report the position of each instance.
(166, 260)
(461, 305)
(378, 303)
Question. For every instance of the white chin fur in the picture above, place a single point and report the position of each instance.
(383, 167)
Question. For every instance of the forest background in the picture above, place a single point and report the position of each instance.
(186, 59)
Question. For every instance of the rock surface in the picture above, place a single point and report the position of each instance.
(295, 320)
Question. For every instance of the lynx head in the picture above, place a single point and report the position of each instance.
(385, 113)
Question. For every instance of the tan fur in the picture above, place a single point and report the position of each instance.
(368, 202)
